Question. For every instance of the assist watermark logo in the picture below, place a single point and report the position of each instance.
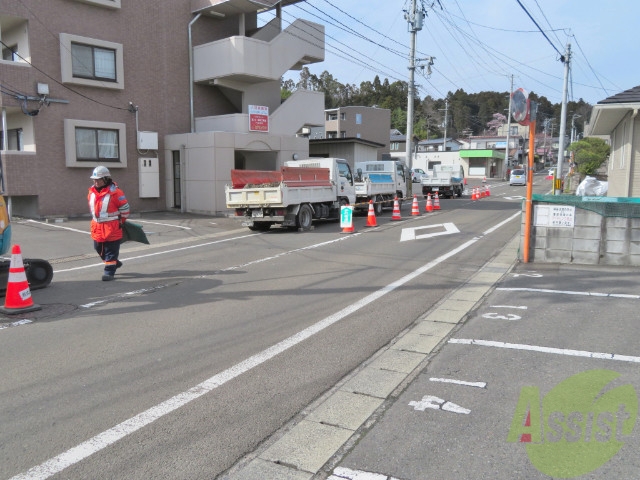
(581, 424)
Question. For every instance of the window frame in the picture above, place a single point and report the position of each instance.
(66, 59)
(70, 126)
(94, 75)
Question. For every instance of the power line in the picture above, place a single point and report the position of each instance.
(541, 31)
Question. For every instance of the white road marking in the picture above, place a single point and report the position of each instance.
(410, 233)
(459, 382)
(108, 437)
(15, 324)
(435, 403)
(556, 351)
(497, 316)
(342, 473)
(163, 224)
(161, 253)
(569, 292)
(522, 307)
(529, 274)
(496, 227)
(58, 226)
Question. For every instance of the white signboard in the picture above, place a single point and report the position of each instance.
(258, 118)
(554, 216)
(346, 216)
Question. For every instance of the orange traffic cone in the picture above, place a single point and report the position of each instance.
(429, 207)
(474, 194)
(396, 210)
(371, 216)
(415, 210)
(482, 192)
(488, 194)
(484, 179)
(18, 298)
(465, 180)
(436, 202)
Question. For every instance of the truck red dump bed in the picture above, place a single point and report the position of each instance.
(291, 176)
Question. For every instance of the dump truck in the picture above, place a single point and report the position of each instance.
(379, 181)
(447, 181)
(300, 192)
(39, 272)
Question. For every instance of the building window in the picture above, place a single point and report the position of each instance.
(14, 139)
(343, 134)
(394, 145)
(332, 134)
(343, 116)
(97, 144)
(10, 53)
(358, 119)
(88, 143)
(91, 62)
(332, 116)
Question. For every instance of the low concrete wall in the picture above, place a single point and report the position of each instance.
(582, 236)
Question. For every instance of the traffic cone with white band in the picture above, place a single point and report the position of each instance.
(371, 216)
(396, 210)
(18, 297)
(415, 210)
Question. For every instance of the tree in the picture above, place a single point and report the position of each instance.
(498, 120)
(589, 154)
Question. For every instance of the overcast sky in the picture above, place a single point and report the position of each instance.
(479, 44)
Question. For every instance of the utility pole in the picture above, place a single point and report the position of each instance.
(573, 127)
(415, 19)
(563, 117)
(446, 119)
(506, 153)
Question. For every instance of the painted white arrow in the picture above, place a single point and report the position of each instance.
(435, 403)
(410, 233)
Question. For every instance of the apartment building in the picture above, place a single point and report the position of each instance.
(366, 123)
(170, 95)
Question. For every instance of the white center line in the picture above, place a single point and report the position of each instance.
(536, 348)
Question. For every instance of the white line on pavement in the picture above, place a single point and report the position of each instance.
(133, 424)
(59, 226)
(536, 348)
(164, 224)
(459, 382)
(569, 292)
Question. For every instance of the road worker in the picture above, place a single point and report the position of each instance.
(109, 210)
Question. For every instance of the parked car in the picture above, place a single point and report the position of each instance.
(417, 174)
(518, 177)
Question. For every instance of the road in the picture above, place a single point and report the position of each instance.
(214, 337)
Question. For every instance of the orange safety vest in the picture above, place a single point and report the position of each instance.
(109, 208)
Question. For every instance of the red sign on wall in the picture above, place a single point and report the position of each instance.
(258, 118)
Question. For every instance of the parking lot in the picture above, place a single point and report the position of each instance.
(543, 325)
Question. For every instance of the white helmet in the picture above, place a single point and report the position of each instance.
(100, 172)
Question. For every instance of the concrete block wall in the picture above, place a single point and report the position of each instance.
(593, 240)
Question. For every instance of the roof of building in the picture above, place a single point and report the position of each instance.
(628, 96)
(347, 140)
(438, 141)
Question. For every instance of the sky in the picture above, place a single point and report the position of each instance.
(479, 44)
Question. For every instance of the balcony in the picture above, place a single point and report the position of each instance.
(249, 60)
(303, 108)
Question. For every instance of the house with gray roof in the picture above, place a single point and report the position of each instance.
(617, 117)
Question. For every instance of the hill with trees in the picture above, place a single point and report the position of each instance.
(468, 114)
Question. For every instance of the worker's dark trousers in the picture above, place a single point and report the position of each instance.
(108, 252)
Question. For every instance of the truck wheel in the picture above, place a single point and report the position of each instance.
(377, 205)
(305, 217)
(260, 226)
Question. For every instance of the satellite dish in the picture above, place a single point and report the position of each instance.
(520, 106)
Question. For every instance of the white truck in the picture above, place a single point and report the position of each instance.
(447, 180)
(295, 195)
(379, 181)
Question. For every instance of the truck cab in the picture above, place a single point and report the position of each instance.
(339, 172)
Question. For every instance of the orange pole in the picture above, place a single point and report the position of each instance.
(527, 218)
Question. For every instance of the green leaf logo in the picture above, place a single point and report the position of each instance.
(584, 424)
